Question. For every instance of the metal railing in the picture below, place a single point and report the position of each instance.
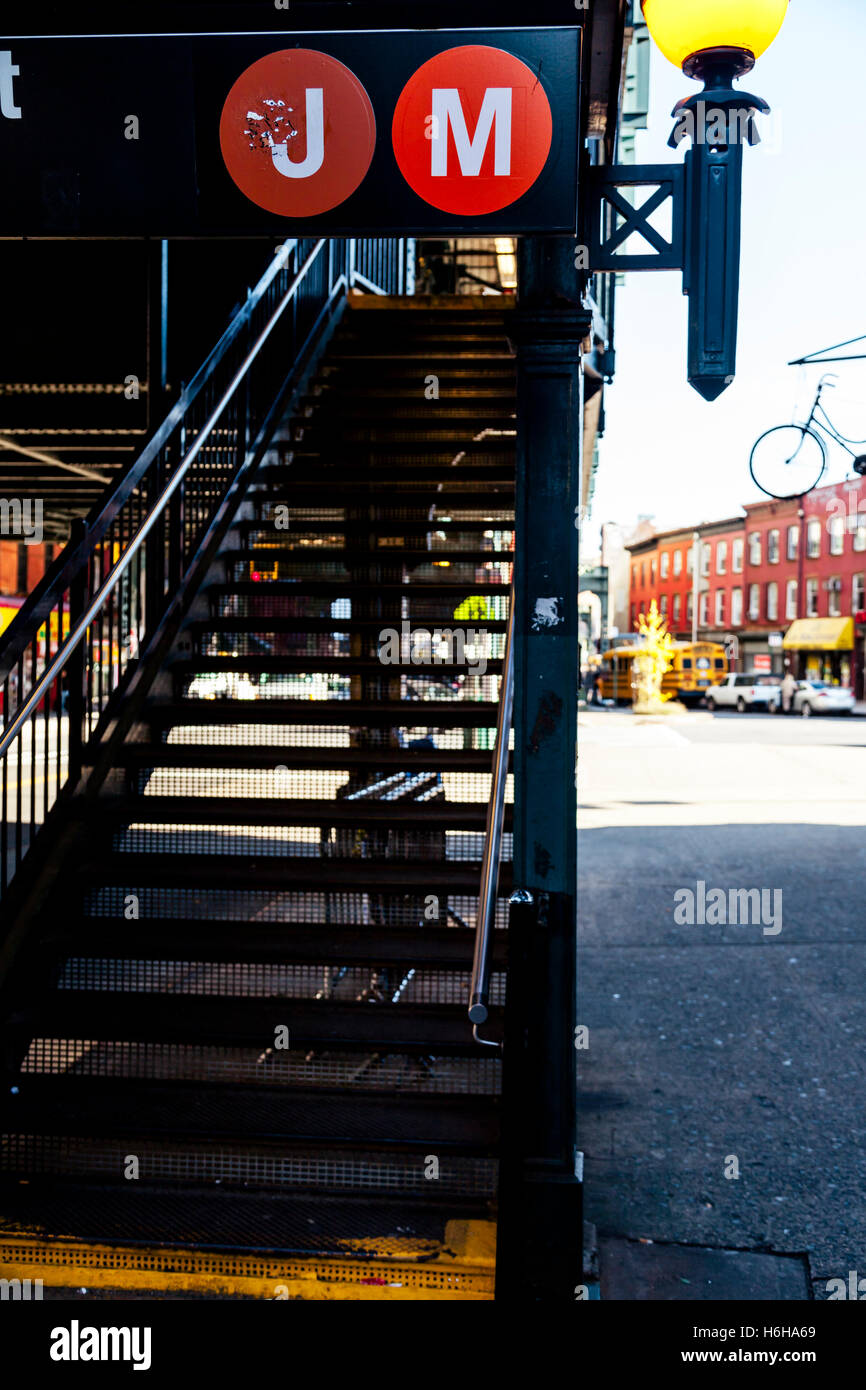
(76, 638)
(479, 986)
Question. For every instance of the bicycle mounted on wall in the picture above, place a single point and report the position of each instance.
(788, 461)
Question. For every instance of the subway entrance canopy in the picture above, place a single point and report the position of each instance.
(409, 132)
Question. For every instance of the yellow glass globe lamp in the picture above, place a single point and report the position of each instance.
(693, 33)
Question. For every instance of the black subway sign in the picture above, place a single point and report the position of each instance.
(245, 135)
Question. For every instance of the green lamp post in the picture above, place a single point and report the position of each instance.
(715, 42)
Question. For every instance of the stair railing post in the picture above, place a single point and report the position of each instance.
(76, 667)
(157, 367)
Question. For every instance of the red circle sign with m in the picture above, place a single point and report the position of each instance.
(297, 132)
(472, 130)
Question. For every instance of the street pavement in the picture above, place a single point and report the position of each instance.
(715, 1048)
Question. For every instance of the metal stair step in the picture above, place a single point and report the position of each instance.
(267, 757)
(437, 455)
(412, 404)
(310, 493)
(187, 809)
(226, 1220)
(293, 1168)
(309, 665)
(307, 942)
(166, 713)
(245, 1021)
(394, 475)
(481, 353)
(254, 625)
(372, 526)
(380, 877)
(286, 549)
(305, 588)
(322, 431)
(96, 1106)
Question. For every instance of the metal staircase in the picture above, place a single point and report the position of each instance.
(242, 877)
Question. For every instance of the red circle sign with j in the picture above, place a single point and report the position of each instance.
(472, 130)
(297, 132)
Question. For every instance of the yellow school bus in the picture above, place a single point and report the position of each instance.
(696, 666)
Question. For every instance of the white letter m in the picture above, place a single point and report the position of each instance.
(447, 106)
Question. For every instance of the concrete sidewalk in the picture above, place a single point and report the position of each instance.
(721, 1096)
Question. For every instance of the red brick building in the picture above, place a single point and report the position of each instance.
(772, 532)
(21, 568)
(662, 569)
(764, 572)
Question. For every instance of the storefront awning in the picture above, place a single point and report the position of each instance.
(820, 635)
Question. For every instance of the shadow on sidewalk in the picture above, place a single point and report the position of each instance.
(722, 1090)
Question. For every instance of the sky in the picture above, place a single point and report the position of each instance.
(666, 452)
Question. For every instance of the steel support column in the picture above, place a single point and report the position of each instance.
(540, 1225)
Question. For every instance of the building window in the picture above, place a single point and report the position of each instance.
(793, 542)
(720, 608)
(678, 604)
(663, 605)
(722, 557)
(813, 538)
(690, 560)
(754, 602)
(755, 548)
(772, 547)
(653, 572)
(705, 558)
(690, 605)
(703, 610)
(811, 598)
(858, 593)
(791, 599)
(860, 531)
(737, 548)
(835, 606)
(736, 607)
(665, 564)
(837, 535)
(678, 562)
(642, 574)
(773, 602)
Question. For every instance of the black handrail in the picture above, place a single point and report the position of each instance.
(75, 638)
(479, 987)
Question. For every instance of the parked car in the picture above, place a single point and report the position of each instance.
(819, 697)
(743, 692)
